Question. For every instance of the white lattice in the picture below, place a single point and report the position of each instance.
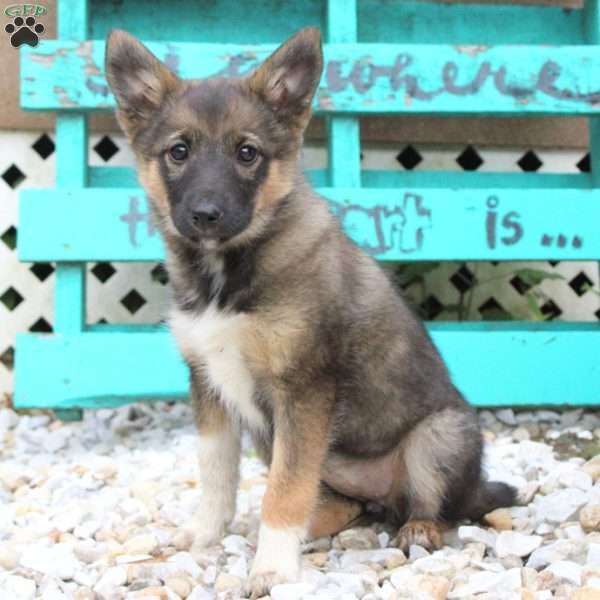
(113, 287)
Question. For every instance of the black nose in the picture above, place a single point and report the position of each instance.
(208, 214)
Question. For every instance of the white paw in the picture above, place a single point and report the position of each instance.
(259, 584)
(277, 560)
(207, 532)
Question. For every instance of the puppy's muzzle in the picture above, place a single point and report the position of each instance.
(206, 217)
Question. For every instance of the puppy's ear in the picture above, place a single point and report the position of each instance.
(288, 79)
(139, 81)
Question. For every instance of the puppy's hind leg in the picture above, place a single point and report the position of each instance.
(334, 513)
(439, 456)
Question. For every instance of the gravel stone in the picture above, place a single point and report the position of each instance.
(358, 538)
(586, 593)
(472, 533)
(291, 591)
(513, 543)
(566, 570)
(141, 544)
(589, 517)
(102, 510)
(499, 519)
(225, 582)
(18, 588)
(560, 506)
(57, 560)
(181, 586)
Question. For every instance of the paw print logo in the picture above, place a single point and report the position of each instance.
(24, 31)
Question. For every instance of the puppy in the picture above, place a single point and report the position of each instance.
(290, 331)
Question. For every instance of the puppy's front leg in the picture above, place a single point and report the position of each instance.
(219, 460)
(302, 422)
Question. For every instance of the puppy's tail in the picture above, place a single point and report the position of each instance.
(489, 496)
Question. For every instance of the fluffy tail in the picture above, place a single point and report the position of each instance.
(489, 496)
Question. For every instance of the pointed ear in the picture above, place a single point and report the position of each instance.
(288, 79)
(139, 81)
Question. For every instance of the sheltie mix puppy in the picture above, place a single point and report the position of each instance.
(288, 328)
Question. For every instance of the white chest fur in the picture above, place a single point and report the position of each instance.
(213, 342)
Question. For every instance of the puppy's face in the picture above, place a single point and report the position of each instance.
(216, 156)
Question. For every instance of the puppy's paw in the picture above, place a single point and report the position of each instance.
(260, 584)
(423, 533)
(206, 532)
(277, 560)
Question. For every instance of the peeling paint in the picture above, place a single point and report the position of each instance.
(43, 59)
(471, 50)
(63, 97)
(324, 101)
(84, 50)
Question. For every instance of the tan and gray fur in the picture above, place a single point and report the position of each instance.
(288, 328)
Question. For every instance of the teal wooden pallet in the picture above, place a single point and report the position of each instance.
(381, 57)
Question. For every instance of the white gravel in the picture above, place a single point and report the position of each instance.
(99, 509)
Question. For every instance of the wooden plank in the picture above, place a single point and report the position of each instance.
(126, 177)
(358, 78)
(343, 132)
(71, 171)
(379, 21)
(591, 15)
(415, 21)
(146, 365)
(391, 224)
(104, 369)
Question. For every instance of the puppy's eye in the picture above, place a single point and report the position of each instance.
(178, 152)
(247, 154)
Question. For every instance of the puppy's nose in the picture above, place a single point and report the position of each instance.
(206, 215)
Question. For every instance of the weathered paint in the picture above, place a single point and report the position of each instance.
(390, 224)
(492, 363)
(358, 78)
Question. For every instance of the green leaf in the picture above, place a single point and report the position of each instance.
(409, 273)
(497, 314)
(589, 288)
(452, 307)
(534, 309)
(533, 277)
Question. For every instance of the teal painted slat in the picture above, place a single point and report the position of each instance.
(126, 177)
(516, 364)
(104, 369)
(72, 171)
(364, 78)
(591, 15)
(147, 365)
(222, 21)
(379, 21)
(72, 150)
(427, 22)
(69, 297)
(343, 133)
(391, 224)
(591, 21)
